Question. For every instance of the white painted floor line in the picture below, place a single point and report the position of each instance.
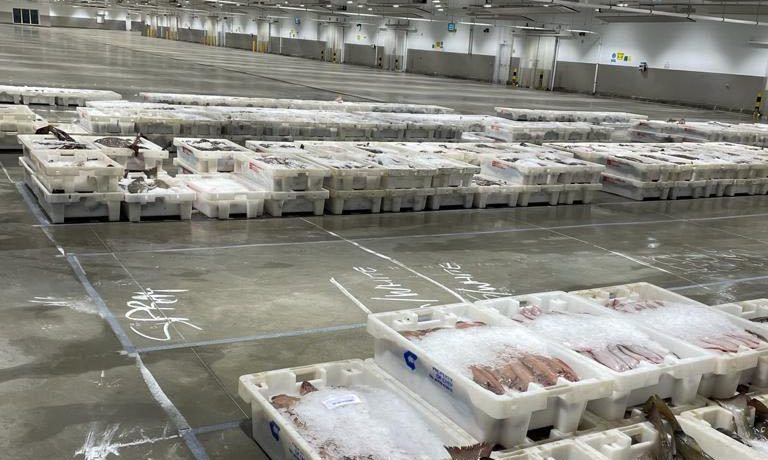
(392, 260)
(6, 173)
(721, 282)
(350, 296)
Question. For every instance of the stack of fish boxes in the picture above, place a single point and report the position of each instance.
(668, 171)
(295, 184)
(134, 153)
(205, 156)
(300, 104)
(15, 120)
(156, 196)
(53, 96)
(161, 122)
(709, 131)
(224, 195)
(71, 179)
(569, 116)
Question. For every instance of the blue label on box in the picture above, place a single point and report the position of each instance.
(410, 359)
(441, 379)
(275, 430)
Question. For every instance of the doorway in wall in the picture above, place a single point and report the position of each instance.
(536, 58)
(399, 53)
(503, 61)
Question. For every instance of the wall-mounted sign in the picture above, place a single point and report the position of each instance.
(620, 56)
(451, 27)
(297, 20)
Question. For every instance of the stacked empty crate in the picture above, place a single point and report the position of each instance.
(53, 96)
(71, 179)
(668, 171)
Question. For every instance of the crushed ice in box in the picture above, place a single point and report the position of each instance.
(380, 426)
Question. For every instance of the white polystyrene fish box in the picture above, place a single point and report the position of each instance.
(48, 142)
(571, 116)
(522, 169)
(640, 362)
(494, 192)
(224, 195)
(445, 370)
(738, 345)
(208, 155)
(401, 171)
(345, 409)
(703, 425)
(135, 153)
(281, 172)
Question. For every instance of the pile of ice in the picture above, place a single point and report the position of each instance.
(483, 345)
(361, 421)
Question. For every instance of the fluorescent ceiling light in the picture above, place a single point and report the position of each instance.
(440, 9)
(487, 5)
(578, 31)
(370, 9)
(395, 6)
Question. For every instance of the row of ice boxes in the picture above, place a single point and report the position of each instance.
(677, 162)
(529, 166)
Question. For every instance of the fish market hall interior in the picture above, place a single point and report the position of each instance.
(383, 230)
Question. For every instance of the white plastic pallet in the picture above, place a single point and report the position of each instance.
(176, 201)
(702, 425)
(224, 195)
(499, 419)
(414, 199)
(340, 201)
(150, 155)
(281, 172)
(676, 378)
(744, 366)
(445, 197)
(280, 203)
(278, 435)
(208, 155)
(63, 206)
(495, 192)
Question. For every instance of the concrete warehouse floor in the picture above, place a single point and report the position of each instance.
(88, 369)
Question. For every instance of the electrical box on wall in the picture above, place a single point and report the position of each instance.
(451, 27)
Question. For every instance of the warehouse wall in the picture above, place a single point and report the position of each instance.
(459, 65)
(708, 64)
(43, 7)
(311, 49)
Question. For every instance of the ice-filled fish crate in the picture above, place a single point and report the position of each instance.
(533, 169)
(61, 207)
(622, 161)
(570, 116)
(400, 171)
(281, 171)
(311, 201)
(739, 346)
(731, 429)
(349, 170)
(158, 196)
(53, 96)
(566, 449)
(70, 171)
(450, 172)
(639, 362)
(753, 310)
(225, 195)
(418, 127)
(494, 378)
(347, 409)
(539, 132)
(208, 155)
(300, 104)
(50, 142)
(340, 201)
(497, 192)
(134, 153)
(710, 131)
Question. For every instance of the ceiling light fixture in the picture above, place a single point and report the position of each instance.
(370, 9)
(395, 6)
